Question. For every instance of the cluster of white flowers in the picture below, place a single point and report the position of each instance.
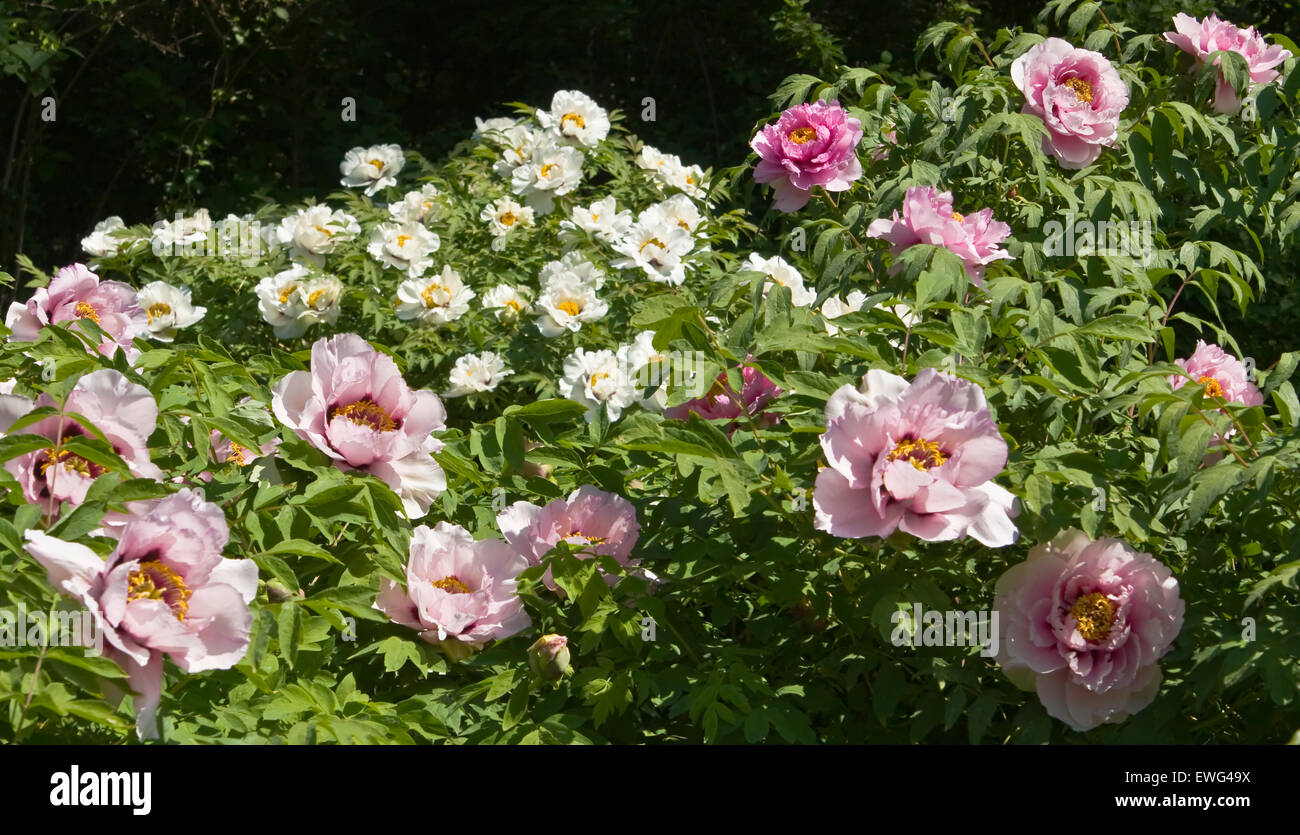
(316, 231)
(782, 272)
(421, 206)
(294, 299)
(602, 220)
(611, 380)
(660, 239)
(669, 171)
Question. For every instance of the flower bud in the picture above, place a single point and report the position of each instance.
(548, 657)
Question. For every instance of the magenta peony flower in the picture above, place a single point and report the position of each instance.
(1085, 623)
(459, 593)
(1079, 96)
(355, 407)
(123, 411)
(722, 402)
(928, 218)
(810, 145)
(77, 293)
(165, 589)
(918, 457)
(591, 520)
(1199, 38)
(1220, 373)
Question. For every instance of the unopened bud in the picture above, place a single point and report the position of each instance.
(548, 657)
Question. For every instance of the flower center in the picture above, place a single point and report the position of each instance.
(156, 310)
(514, 305)
(85, 311)
(547, 169)
(452, 585)
(801, 135)
(508, 219)
(315, 297)
(596, 378)
(1095, 615)
(651, 242)
(151, 580)
(430, 300)
(324, 231)
(73, 462)
(570, 307)
(572, 117)
(958, 216)
(1082, 89)
(378, 164)
(594, 540)
(920, 453)
(287, 292)
(366, 412)
(237, 454)
(1212, 386)
(402, 239)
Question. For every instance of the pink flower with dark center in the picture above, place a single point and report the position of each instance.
(77, 293)
(1201, 38)
(928, 218)
(1221, 374)
(459, 593)
(810, 145)
(1079, 96)
(355, 407)
(164, 590)
(591, 520)
(722, 402)
(123, 411)
(1085, 623)
(918, 457)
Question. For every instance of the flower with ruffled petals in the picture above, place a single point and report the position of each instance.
(167, 309)
(1201, 38)
(1079, 96)
(77, 293)
(164, 590)
(928, 218)
(458, 590)
(591, 520)
(355, 407)
(810, 145)
(576, 118)
(1221, 374)
(1085, 623)
(373, 168)
(722, 403)
(918, 457)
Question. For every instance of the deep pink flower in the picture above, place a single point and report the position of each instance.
(1085, 623)
(918, 457)
(77, 293)
(1220, 373)
(164, 590)
(355, 407)
(1199, 38)
(591, 520)
(123, 411)
(722, 402)
(1079, 96)
(810, 145)
(459, 593)
(928, 218)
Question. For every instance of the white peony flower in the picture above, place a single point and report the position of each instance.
(374, 168)
(517, 145)
(576, 118)
(503, 217)
(434, 299)
(601, 219)
(553, 171)
(669, 170)
(316, 231)
(565, 303)
(646, 367)
(780, 271)
(168, 309)
(476, 373)
(101, 242)
(296, 298)
(656, 246)
(487, 128)
(677, 209)
(406, 246)
(508, 302)
(419, 206)
(571, 265)
(596, 379)
(177, 236)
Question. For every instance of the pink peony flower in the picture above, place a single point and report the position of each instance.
(77, 293)
(592, 520)
(1079, 96)
(918, 457)
(1085, 623)
(1200, 38)
(123, 411)
(810, 145)
(928, 218)
(1220, 373)
(164, 590)
(459, 593)
(722, 402)
(355, 407)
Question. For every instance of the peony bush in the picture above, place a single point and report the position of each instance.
(563, 439)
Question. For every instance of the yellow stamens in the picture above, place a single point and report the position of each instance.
(315, 297)
(798, 136)
(152, 580)
(1094, 614)
(237, 454)
(156, 310)
(920, 453)
(957, 216)
(546, 169)
(365, 412)
(508, 219)
(654, 241)
(1212, 386)
(514, 305)
(85, 311)
(402, 239)
(1082, 89)
(324, 231)
(570, 307)
(69, 460)
(596, 378)
(452, 585)
(572, 117)
(287, 292)
(594, 540)
(377, 163)
(430, 300)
